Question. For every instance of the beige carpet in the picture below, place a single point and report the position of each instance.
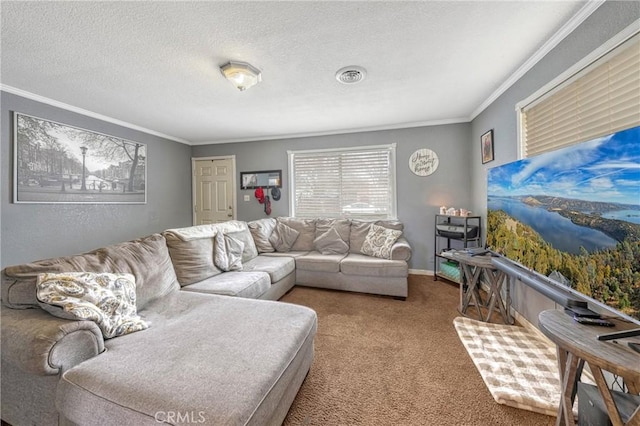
(380, 361)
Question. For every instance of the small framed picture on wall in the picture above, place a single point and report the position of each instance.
(486, 146)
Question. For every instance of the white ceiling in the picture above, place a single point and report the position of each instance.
(154, 65)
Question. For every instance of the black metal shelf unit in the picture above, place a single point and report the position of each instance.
(465, 229)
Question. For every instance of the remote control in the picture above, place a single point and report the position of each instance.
(620, 334)
(593, 321)
(579, 311)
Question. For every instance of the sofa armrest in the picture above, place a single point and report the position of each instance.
(39, 343)
(401, 250)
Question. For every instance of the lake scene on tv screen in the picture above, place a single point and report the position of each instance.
(574, 211)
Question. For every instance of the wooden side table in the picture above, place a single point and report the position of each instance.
(474, 269)
(576, 344)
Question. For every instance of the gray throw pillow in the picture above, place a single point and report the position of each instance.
(283, 237)
(343, 226)
(306, 232)
(261, 231)
(379, 241)
(228, 253)
(249, 250)
(330, 243)
(192, 260)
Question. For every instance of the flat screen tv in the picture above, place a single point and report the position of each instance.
(574, 215)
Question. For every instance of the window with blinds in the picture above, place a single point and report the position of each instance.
(353, 182)
(601, 99)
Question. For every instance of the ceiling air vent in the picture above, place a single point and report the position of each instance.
(351, 74)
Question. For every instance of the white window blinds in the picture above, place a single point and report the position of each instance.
(353, 182)
(601, 99)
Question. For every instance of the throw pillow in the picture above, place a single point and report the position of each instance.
(249, 250)
(192, 259)
(261, 230)
(343, 226)
(379, 241)
(283, 237)
(107, 299)
(228, 253)
(330, 243)
(306, 232)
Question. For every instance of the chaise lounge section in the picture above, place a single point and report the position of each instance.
(214, 358)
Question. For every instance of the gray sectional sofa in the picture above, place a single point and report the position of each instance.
(212, 354)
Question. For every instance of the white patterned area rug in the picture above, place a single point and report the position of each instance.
(518, 366)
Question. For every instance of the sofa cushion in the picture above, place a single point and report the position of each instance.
(224, 359)
(276, 267)
(306, 228)
(109, 300)
(147, 259)
(240, 284)
(228, 252)
(293, 254)
(379, 241)
(318, 262)
(359, 264)
(330, 243)
(192, 259)
(261, 231)
(283, 237)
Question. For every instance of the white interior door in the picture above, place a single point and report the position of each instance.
(213, 190)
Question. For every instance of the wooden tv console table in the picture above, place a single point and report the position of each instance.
(474, 270)
(576, 344)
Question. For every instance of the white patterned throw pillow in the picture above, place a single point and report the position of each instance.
(379, 241)
(107, 299)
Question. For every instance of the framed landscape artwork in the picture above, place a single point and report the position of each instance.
(57, 163)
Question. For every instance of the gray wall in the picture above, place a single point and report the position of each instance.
(38, 231)
(611, 18)
(418, 197)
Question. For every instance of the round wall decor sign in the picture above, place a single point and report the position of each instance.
(423, 162)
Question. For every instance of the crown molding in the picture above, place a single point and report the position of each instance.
(62, 105)
(573, 23)
(339, 132)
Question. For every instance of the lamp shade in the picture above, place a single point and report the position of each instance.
(241, 74)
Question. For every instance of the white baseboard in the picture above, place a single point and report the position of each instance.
(420, 272)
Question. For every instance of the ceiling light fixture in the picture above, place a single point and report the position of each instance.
(351, 75)
(241, 74)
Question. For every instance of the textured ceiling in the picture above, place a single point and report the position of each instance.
(155, 64)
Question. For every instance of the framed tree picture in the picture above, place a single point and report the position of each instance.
(486, 146)
(57, 163)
